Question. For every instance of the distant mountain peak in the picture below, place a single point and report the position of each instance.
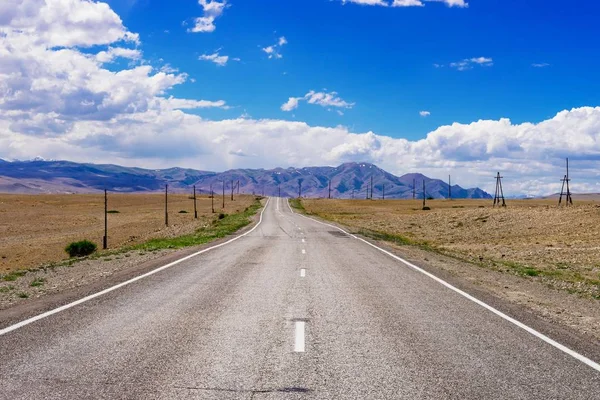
(348, 180)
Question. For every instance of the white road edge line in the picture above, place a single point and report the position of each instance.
(302, 273)
(521, 325)
(120, 285)
(303, 251)
(299, 343)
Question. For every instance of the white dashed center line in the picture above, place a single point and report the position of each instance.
(302, 273)
(303, 251)
(303, 241)
(299, 345)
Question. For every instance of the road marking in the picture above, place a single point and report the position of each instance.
(120, 285)
(299, 228)
(303, 241)
(303, 251)
(513, 321)
(302, 273)
(299, 345)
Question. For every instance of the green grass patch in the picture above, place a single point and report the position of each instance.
(388, 237)
(297, 204)
(220, 228)
(13, 276)
(23, 295)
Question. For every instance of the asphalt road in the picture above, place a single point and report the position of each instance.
(293, 310)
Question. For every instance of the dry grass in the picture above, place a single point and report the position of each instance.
(530, 237)
(34, 229)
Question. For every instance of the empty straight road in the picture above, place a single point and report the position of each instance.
(293, 310)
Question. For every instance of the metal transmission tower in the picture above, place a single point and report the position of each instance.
(567, 193)
(499, 195)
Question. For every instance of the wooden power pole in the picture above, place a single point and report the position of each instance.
(195, 206)
(166, 205)
(105, 238)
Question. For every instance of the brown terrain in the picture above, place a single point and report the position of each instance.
(531, 253)
(34, 229)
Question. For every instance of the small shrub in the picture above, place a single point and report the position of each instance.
(221, 215)
(81, 248)
(430, 198)
(426, 208)
(113, 212)
(23, 295)
(531, 272)
(183, 212)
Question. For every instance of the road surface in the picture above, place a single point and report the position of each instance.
(293, 310)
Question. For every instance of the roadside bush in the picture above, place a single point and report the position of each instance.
(221, 215)
(113, 212)
(183, 212)
(426, 208)
(81, 248)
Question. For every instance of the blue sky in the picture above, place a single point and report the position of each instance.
(461, 87)
(382, 59)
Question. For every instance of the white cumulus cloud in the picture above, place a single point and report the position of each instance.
(322, 99)
(469, 63)
(273, 51)
(213, 9)
(215, 58)
(424, 113)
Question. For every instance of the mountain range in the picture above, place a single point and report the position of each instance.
(347, 180)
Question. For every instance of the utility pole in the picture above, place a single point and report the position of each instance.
(384, 191)
(299, 188)
(449, 188)
(499, 195)
(414, 188)
(195, 207)
(330, 189)
(352, 193)
(212, 199)
(424, 194)
(367, 191)
(371, 187)
(238, 186)
(232, 188)
(105, 239)
(223, 194)
(278, 190)
(166, 205)
(567, 194)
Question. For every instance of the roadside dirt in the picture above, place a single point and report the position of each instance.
(531, 253)
(35, 229)
(63, 284)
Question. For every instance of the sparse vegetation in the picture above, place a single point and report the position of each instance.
(37, 282)
(221, 227)
(22, 295)
(6, 289)
(183, 212)
(113, 212)
(81, 248)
